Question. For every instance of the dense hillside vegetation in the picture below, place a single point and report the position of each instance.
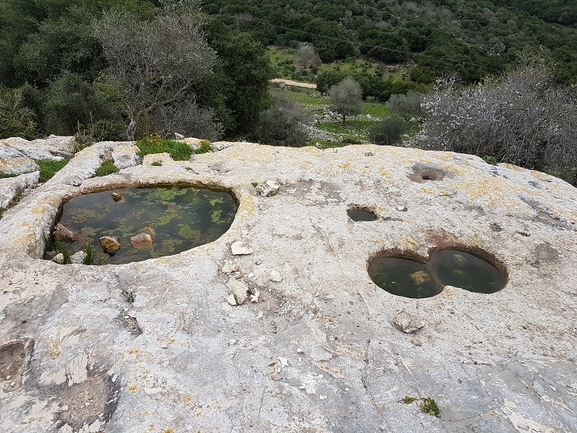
(108, 70)
(472, 38)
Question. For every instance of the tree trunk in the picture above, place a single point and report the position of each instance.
(131, 130)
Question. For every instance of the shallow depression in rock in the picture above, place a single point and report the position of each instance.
(361, 214)
(148, 222)
(412, 278)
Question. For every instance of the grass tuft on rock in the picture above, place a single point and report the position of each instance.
(49, 168)
(152, 144)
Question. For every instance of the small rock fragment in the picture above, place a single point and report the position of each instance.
(275, 376)
(150, 231)
(227, 268)
(110, 244)
(420, 277)
(231, 300)
(63, 234)
(142, 241)
(275, 276)
(116, 196)
(239, 248)
(268, 188)
(407, 322)
(59, 258)
(239, 289)
(402, 208)
(254, 297)
(78, 258)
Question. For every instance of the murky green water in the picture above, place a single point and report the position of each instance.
(179, 218)
(412, 279)
(361, 215)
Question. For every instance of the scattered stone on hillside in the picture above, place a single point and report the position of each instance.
(142, 241)
(239, 248)
(78, 258)
(275, 276)
(125, 156)
(59, 258)
(402, 208)
(268, 188)
(110, 244)
(116, 196)
(64, 234)
(407, 322)
(239, 289)
(229, 267)
(221, 145)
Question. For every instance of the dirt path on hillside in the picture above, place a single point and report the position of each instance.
(294, 83)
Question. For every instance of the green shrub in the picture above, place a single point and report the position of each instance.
(49, 168)
(101, 130)
(107, 167)
(205, 146)
(154, 143)
(430, 406)
(388, 131)
(16, 119)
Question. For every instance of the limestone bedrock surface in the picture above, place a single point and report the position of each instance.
(154, 346)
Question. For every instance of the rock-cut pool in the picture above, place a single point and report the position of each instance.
(176, 218)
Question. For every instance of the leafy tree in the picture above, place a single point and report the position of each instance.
(306, 57)
(16, 120)
(346, 98)
(408, 105)
(388, 131)
(282, 125)
(156, 63)
(70, 101)
(521, 118)
(237, 90)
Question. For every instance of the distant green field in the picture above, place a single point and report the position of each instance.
(353, 131)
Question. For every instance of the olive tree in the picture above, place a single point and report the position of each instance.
(521, 118)
(306, 57)
(346, 98)
(157, 63)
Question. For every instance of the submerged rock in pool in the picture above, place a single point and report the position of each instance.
(110, 244)
(63, 234)
(142, 241)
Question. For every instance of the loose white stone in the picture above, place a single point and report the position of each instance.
(59, 258)
(231, 300)
(239, 248)
(78, 258)
(239, 289)
(275, 276)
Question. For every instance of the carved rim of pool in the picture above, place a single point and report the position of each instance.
(408, 274)
(184, 185)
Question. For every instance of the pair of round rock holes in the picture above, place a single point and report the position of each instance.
(413, 277)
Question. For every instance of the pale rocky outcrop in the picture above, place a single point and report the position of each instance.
(12, 187)
(157, 343)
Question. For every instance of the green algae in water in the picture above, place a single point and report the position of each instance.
(413, 279)
(404, 277)
(467, 271)
(182, 218)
